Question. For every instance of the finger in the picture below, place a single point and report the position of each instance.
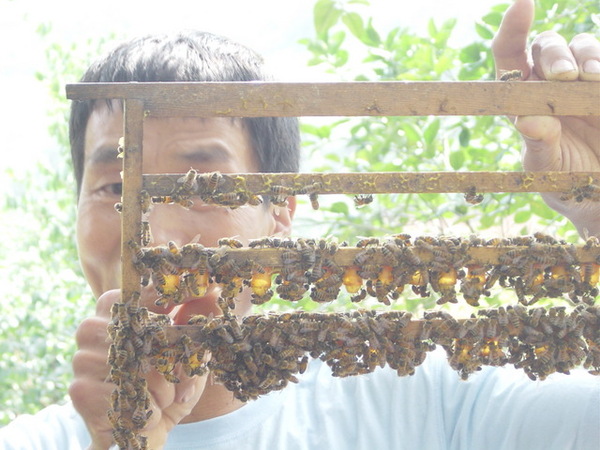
(586, 50)
(552, 58)
(188, 393)
(510, 43)
(105, 302)
(91, 400)
(541, 135)
(92, 333)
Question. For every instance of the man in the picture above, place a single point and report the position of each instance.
(433, 409)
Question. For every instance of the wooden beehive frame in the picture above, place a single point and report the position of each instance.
(274, 99)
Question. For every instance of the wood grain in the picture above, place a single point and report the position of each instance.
(387, 98)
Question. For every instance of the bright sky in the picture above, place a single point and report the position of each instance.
(272, 27)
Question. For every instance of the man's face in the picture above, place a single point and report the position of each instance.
(171, 145)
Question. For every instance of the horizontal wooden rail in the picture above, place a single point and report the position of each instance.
(388, 98)
(383, 182)
(477, 254)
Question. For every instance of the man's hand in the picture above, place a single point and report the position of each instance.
(568, 143)
(91, 388)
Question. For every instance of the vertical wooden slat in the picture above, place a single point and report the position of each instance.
(133, 126)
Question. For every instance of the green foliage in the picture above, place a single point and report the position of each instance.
(47, 296)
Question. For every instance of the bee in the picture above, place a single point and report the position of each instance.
(212, 181)
(472, 197)
(535, 314)
(140, 415)
(511, 75)
(265, 242)
(171, 378)
(196, 283)
(137, 250)
(188, 181)
(145, 201)
(249, 362)
(309, 189)
(281, 191)
(230, 242)
(120, 311)
(401, 239)
(368, 241)
(146, 233)
(591, 242)
(362, 294)
(590, 273)
(269, 380)
(314, 200)
(166, 284)
(525, 241)
(544, 238)
(236, 330)
(259, 300)
(162, 199)
(303, 364)
(279, 200)
(121, 147)
(363, 199)
(229, 199)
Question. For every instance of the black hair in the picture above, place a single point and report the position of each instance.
(189, 56)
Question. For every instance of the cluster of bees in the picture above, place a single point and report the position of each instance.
(208, 188)
(535, 267)
(134, 334)
(262, 353)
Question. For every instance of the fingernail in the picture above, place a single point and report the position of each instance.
(591, 66)
(562, 66)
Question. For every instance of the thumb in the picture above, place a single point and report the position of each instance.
(542, 142)
(509, 46)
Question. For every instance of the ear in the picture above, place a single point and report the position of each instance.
(283, 216)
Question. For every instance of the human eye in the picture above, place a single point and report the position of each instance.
(112, 189)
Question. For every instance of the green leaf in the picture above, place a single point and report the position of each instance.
(325, 15)
(413, 134)
(355, 24)
(457, 160)
(522, 216)
(431, 131)
(470, 53)
(464, 137)
(340, 208)
(540, 209)
(493, 18)
(431, 28)
(484, 31)
(373, 38)
(341, 58)
(487, 220)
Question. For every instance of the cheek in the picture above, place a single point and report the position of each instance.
(98, 239)
(248, 223)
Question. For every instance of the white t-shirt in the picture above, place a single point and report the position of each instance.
(497, 408)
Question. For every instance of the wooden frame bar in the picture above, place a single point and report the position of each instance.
(391, 98)
(133, 126)
(275, 99)
(389, 182)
